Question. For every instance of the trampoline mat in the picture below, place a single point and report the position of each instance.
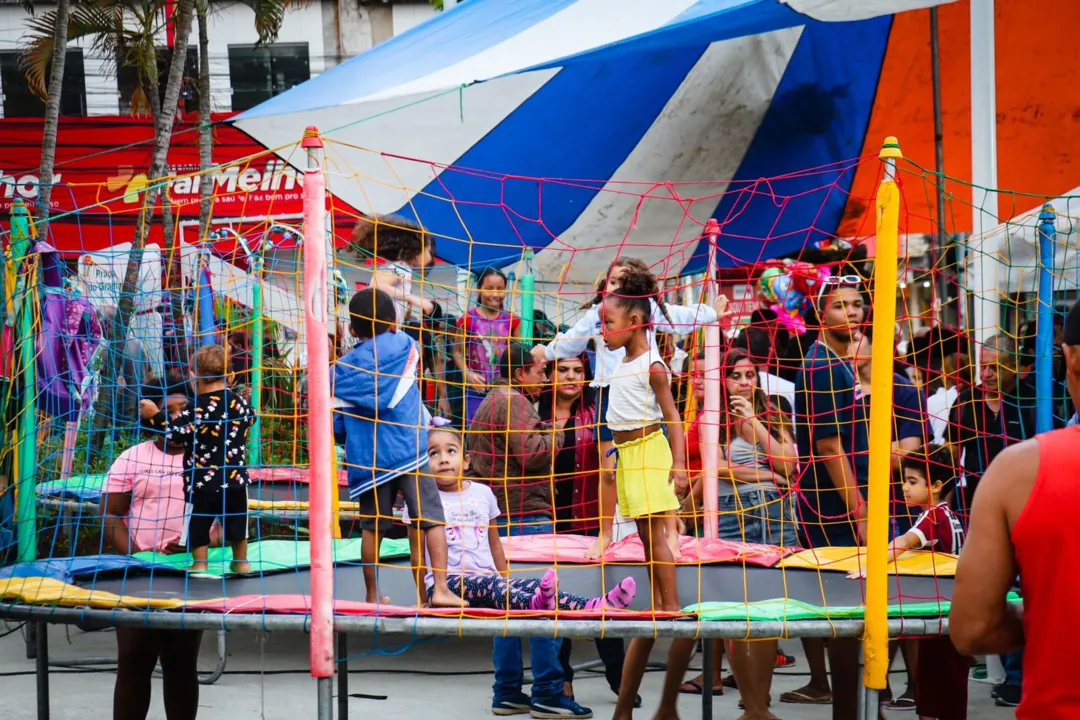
(286, 492)
(707, 583)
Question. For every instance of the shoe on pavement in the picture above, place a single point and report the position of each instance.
(557, 708)
(517, 704)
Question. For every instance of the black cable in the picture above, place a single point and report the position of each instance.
(13, 630)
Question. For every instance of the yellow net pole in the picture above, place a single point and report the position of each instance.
(876, 637)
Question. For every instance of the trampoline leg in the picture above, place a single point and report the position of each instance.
(325, 693)
(707, 679)
(31, 641)
(342, 676)
(42, 668)
(222, 658)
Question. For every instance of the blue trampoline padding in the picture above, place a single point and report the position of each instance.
(67, 569)
(83, 488)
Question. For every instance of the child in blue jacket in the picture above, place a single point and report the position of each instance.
(381, 420)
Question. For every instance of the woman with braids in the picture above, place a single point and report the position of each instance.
(395, 246)
(663, 318)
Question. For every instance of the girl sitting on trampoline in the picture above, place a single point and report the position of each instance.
(476, 568)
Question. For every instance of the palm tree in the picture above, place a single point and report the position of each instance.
(125, 31)
(57, 57)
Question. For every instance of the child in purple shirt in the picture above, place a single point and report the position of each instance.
(476, 567)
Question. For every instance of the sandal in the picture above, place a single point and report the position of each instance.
(802, 697)
(903, 703)
(693, 687)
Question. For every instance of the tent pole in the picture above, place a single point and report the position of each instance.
(939, 248)
(1044, 329)
(982, 272)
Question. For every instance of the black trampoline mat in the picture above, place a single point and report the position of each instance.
(283, 491)
(705, 583)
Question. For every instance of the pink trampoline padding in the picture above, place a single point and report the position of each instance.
(571, 549)
(301, 604)
(290, 474)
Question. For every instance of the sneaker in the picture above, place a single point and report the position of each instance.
(784, 661)
(1007, 696)
(557, 708)
(978, 672)
(516, 704)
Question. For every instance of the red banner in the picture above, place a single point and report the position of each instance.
(100, 176)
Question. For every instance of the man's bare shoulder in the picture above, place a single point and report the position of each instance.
(1009, 479)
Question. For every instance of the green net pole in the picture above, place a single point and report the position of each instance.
(257, 331)
(527, 288)
(26, 455)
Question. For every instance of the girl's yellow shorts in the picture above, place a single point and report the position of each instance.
(643, 477)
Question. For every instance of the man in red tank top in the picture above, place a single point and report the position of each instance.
(1022, 525)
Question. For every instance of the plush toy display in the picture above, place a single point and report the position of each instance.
(788, 290)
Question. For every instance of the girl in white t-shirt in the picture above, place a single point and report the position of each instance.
(476, 567)
(395, 246)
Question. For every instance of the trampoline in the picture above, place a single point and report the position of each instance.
(724, 586)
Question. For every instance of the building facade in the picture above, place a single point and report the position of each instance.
(313, 37)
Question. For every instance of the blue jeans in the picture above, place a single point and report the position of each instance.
(761, 515)
(548, 675)
(1014, 668)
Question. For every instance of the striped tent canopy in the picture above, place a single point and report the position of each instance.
(609, 125)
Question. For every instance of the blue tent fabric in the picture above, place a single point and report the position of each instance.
(606, 125)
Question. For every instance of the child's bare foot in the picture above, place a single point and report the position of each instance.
(198, 567)
(374, 599)
(445, 598)
(240, 567)
(666, 715)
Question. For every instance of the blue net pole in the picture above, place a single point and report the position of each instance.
(1044, 333)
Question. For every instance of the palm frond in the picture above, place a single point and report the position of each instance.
(269, 17)
(96, 22)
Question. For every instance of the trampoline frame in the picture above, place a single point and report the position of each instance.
(708, 630)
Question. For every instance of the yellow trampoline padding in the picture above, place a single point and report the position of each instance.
(294, 505)
(49, 591)
(846, 559)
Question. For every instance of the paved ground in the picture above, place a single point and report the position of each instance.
(266, 678)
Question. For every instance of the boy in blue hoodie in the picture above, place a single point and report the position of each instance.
(383, 423)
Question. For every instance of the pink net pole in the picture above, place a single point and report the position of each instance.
(319, 412)
(710, 419)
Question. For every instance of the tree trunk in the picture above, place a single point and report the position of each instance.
(162, 136)
(52, 115)
(206, 138)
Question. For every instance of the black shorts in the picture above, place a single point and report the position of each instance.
(421, 496)
(229, 507)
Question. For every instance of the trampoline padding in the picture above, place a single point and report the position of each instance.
(849, 559)
(822, 592)
(572, 549)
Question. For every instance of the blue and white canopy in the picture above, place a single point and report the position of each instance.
(582, 128)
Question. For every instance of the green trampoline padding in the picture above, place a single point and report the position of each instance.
(271, 556)
(786, 610)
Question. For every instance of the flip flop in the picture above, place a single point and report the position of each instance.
(798, 697)
(696, 689)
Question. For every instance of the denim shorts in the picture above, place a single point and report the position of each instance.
(762, 515)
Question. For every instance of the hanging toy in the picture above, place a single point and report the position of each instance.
(787, 292)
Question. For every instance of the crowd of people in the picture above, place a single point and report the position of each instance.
(592, 433)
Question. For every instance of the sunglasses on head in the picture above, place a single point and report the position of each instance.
(841, 280)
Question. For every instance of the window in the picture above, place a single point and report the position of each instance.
(19, 101)
(260, 73)
(127, 77)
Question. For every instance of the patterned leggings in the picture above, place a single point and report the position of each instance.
(493, 591)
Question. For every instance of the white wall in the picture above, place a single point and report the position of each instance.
(406, 17)
(233, 24)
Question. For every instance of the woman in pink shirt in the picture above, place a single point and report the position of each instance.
(144, 510)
